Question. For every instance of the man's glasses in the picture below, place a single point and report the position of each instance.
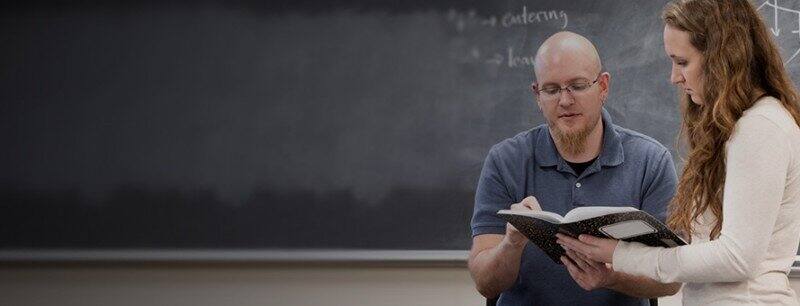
(552, 93)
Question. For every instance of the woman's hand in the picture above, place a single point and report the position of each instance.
(593, 248)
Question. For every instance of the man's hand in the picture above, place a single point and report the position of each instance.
(495, 259)
(512, 234)
(589, 274)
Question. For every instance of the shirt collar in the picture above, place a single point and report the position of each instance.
(611, 153)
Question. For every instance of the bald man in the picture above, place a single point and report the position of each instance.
(578, 158)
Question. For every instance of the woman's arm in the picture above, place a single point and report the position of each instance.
(757, 160)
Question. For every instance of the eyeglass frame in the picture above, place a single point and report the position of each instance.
(538, 91)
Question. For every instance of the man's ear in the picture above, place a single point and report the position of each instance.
(534, 87)
(605, 85)
(605, 80)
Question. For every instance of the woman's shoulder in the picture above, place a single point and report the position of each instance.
(769, 112)
(766, 125)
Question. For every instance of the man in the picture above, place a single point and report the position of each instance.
(578, 158)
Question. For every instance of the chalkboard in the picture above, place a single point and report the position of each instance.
(290, 124)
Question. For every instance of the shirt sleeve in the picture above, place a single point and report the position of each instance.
(757, 160)
(661, 188)
(491, 195)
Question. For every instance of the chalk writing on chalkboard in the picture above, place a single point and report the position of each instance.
(777, 15)
(515, 18)
(509, 56)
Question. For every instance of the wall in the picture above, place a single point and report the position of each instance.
(241, 284)
(235, 285)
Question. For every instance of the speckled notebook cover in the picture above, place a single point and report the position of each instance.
(543, 233)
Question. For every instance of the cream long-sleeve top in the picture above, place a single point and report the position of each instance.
(749, 263)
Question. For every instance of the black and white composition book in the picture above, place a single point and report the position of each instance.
(623, 223)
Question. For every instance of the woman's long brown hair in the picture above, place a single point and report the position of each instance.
(740, 64)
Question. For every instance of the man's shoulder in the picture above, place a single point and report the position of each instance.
(635, 143)
(518, 146)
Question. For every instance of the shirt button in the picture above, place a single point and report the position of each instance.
(578, 185)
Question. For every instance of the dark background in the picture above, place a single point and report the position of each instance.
(287, 124)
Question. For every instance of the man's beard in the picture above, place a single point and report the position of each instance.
(573, 143)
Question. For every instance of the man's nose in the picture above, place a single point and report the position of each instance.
(565, 97)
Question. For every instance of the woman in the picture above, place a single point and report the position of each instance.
(738, 199)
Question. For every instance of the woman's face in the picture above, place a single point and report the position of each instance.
(687, 63)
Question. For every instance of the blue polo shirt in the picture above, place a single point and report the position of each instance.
(631, 170)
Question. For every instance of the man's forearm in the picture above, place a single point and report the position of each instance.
(495, 270)
(641, 287)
